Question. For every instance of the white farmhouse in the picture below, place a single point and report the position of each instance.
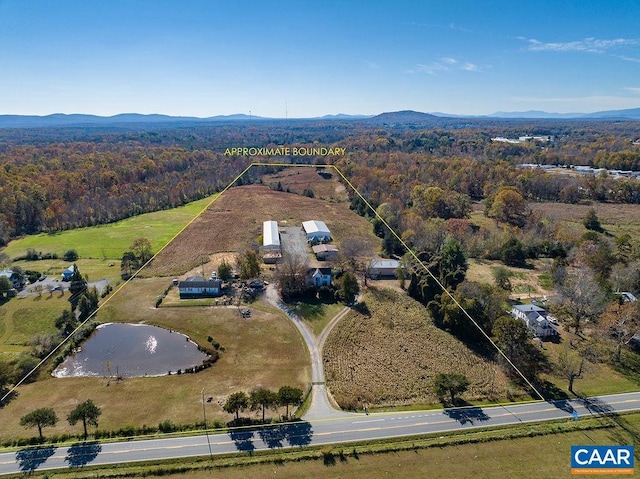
(535, 318)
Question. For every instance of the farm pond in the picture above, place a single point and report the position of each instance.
(131, 350)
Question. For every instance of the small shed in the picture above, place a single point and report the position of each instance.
(316, 231)
(325, 251)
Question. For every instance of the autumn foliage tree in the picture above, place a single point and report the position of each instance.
(508, 206)
(620, 323)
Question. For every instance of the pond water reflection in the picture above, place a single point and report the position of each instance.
(130, 350)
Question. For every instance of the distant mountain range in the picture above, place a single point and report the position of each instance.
(633, 113)
(406, 117)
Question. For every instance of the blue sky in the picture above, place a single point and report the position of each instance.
(210, 57)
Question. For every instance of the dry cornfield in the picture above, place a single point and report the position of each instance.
(234, 222)
(389, 355)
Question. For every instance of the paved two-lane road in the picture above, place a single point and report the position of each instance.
(340, 429)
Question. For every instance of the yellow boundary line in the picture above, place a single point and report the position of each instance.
(288, 165)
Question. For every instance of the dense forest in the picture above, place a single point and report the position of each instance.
(59, 178)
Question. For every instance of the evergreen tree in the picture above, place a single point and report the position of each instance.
(591, 221)
(87, 412)
(78, 284)
(41, 418)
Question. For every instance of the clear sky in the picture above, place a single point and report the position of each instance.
(211, 57)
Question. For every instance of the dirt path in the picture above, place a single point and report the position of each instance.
(321, 406)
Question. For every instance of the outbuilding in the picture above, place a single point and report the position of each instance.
(316, 231)
(67, 274)
(383, 268)
(270, 236)
(325, 251)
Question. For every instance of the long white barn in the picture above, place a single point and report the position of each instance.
(270, 235)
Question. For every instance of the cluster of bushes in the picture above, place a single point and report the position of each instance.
(33, 255)
(74, 342)
(164, 294)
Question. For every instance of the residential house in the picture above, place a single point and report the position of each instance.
(17, 280)
(324, 252)
(319, 277)
(199, 287)
(536, 319)
(67, 274)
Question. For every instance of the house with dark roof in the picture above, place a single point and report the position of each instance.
(17, 281)
(199, 287)
(536, 319)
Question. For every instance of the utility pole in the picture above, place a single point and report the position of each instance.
(206, 431)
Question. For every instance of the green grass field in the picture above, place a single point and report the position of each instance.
(110, 241)
(316, 313)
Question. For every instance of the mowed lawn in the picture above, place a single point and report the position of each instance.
(110, 241)
(264, 350)
(24, 318)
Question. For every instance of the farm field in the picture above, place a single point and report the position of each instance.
(388, 356)
(110, 241)
(265, 350)
(527, 283)
(261, 351)
(615, 218)
(299, 179)
(234, 223)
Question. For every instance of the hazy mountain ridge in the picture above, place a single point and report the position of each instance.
(404, 117)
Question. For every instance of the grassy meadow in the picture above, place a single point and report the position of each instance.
(265, 350)
(110, 241)
(386, 352)
(316, 313)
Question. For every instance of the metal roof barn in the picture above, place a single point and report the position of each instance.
(316, 230)
(270, 235)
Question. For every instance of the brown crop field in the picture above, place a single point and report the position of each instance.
(234, 223)
(299, 179)
(390, 355)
